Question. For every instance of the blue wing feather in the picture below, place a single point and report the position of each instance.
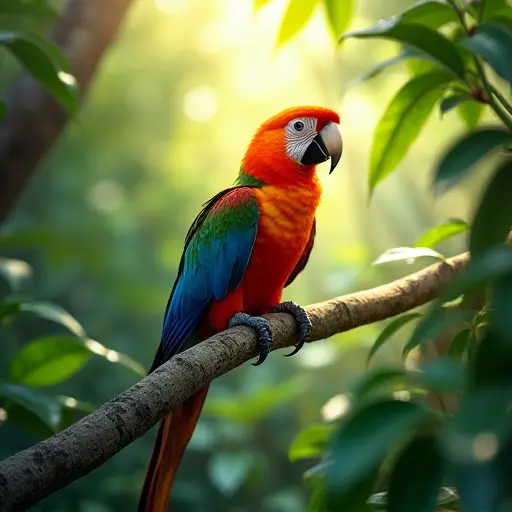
(211, 265)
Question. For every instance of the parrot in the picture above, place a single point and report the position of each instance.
(247, 244)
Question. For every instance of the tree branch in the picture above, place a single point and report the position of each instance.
(34, 120)
(32, 474)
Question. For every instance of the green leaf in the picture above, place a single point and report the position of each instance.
(416, 477)
(358, 448)
(379, 380)
(15, 272)
(441, 375)
(47, 361)
(407, 253)
(430, 13)
(435, 323)
(295, 18)
(402, 122)
(425, 40)
(471, 112)
(310, 442)
(450, 102)
(493, 219)
(465, 153)
(339, 15)
(501, 300)
(388, 331)
(43, 61)
(484, 11)
(492, 42)
(228, 471)
(353, 499)
(442, 232)
(459, 344)
(3, 109)
(33, 401)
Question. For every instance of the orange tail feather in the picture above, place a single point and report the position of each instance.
(173, 435)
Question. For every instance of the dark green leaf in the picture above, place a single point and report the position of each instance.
(358, 448)
(14, 272)
(44, 61)
(459, 344)
(501, 317)
(441, 375)
(506, 21)
(44, 407)
(442, 232)
(388, 331)
(450, 102)
(416, 477)
(379, 380)
(487, 9)
(402, 122)
(466, 152)
(295, 18)
(430, 13)
(407, 253)
(354, 499)
(492, 42)
(425, 40)
(471, 112)
(493, 219)
(310, 442)
(48, 361)
(3, 109)
(339, 15)
(29, 9)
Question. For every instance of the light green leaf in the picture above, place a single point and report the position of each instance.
(402, 122)
(493, 219)
(442, 232)
(33, 401)
(295, 18)
(228, 471)
(44, 61)
(47, 361)
(15, 272)
(310, 442)
(425, 40)
(339, 15)
(417, 476)
(465, 153)
(430, 13)
(492, 42)
(388, 331)
(471, 112)
(407, 253)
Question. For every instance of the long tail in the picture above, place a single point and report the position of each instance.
(173, 435)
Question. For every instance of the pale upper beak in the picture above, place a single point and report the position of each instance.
(328, 143)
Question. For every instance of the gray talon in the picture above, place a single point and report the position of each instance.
(302, 321)
(261, 325)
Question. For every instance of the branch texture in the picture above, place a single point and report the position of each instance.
(32, 474)
(34, 120)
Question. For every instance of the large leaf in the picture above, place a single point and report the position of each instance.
(339, 15)
(408, 254)
(493, 219)
(488, 9)
(358, 448)
(296, 16)
(471, 112)
(43, 60)
(47, 361)
(430, 13)
(402, 122)
(14, 272)
(425, 40)
(492, 42)
(310, 442)
(416, 477)
(466, 152)
(437, 234)
(388, 332)
(34, 402)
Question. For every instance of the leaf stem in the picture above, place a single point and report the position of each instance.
(506, 105)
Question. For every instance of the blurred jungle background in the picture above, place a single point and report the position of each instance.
(103, 220)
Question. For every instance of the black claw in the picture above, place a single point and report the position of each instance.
(302, 321)
(261, 326)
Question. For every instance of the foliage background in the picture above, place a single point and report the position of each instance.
(164, 128)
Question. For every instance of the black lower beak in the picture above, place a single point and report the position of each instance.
(316, 152)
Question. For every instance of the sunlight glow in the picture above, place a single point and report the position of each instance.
(170, 6)
(335, 408)
(112, 356)
(70, 402)
(3, 415)
(200, 104)
(485, 446)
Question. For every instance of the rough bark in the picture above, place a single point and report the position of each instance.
(34, 120)
(32, 474)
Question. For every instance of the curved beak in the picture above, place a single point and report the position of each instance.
(328, 143)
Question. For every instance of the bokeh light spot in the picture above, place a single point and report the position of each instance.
(106, 196)
(335, 408)
(200, 104)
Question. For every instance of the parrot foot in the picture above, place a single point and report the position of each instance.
(262, 327)
(301, 319)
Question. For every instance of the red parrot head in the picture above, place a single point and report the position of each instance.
(294, 141)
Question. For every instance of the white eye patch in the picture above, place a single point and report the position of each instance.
(299, 134)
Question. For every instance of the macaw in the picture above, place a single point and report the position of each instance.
(248, 243)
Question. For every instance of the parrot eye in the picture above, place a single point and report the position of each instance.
(299, 126)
